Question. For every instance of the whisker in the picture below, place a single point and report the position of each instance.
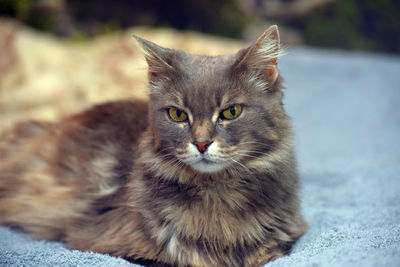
(253, 151)
(228, 149)
(284, 163)
(162, 150)
(251, 173)
(225, 156)
(247, 155)
(247, 169)
(166, 156)
(257, 143)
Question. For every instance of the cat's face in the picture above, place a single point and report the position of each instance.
(213, 113)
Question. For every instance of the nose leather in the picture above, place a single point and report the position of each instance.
(202, 146)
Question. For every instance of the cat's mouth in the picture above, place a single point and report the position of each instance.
(208, 165)
(206, 161)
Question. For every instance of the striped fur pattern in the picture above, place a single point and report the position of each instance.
(125, 179)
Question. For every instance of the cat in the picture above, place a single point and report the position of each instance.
(204, 174)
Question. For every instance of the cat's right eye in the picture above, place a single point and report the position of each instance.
(177, 115)
(231, 112)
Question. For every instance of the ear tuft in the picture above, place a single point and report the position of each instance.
(157, 57)
(267, 47)
(262, 56)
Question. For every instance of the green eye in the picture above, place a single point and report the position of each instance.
(232, 112)
(177, 115)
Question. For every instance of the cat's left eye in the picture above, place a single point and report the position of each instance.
(177, 115)
(231, 112)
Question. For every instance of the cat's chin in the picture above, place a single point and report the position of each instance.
(207, 166)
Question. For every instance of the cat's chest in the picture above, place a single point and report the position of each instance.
(219, 216)
(206, 228)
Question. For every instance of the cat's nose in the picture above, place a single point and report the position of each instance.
(202, 146)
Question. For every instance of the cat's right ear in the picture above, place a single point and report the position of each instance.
(158, 58)
(260, 58)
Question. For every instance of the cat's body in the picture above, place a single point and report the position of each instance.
(207, 178)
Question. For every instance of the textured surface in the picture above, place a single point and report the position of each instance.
(345, 111)
(347, 120)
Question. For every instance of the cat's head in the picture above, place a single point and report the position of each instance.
(214, 113)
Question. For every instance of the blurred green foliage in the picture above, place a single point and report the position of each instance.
(348, 24)
(221, 17)
(27, 12)
(92, 17)
(354, 24)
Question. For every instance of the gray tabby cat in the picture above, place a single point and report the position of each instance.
(202, 175)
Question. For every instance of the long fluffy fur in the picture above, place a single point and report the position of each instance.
(105, 180)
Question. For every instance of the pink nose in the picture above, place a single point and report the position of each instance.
(202, 146)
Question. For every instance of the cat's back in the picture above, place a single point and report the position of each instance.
(81, 145)
(101, 143)
(120, 121)
(128, 119)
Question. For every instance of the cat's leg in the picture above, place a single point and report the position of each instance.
(263, 256)
(37, 204)
(120, 231)
(50, 175)
(273, 249)
(30, 195)
(14, 141)
(18, 147)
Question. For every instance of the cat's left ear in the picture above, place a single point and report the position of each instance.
(158, 58)
(262, 56)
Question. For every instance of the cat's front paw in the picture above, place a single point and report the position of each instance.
(264, 256)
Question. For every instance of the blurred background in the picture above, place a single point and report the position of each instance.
(60, 56)
(348, 24)
(342, 75)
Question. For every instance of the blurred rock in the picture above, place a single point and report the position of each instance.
(42, 77)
